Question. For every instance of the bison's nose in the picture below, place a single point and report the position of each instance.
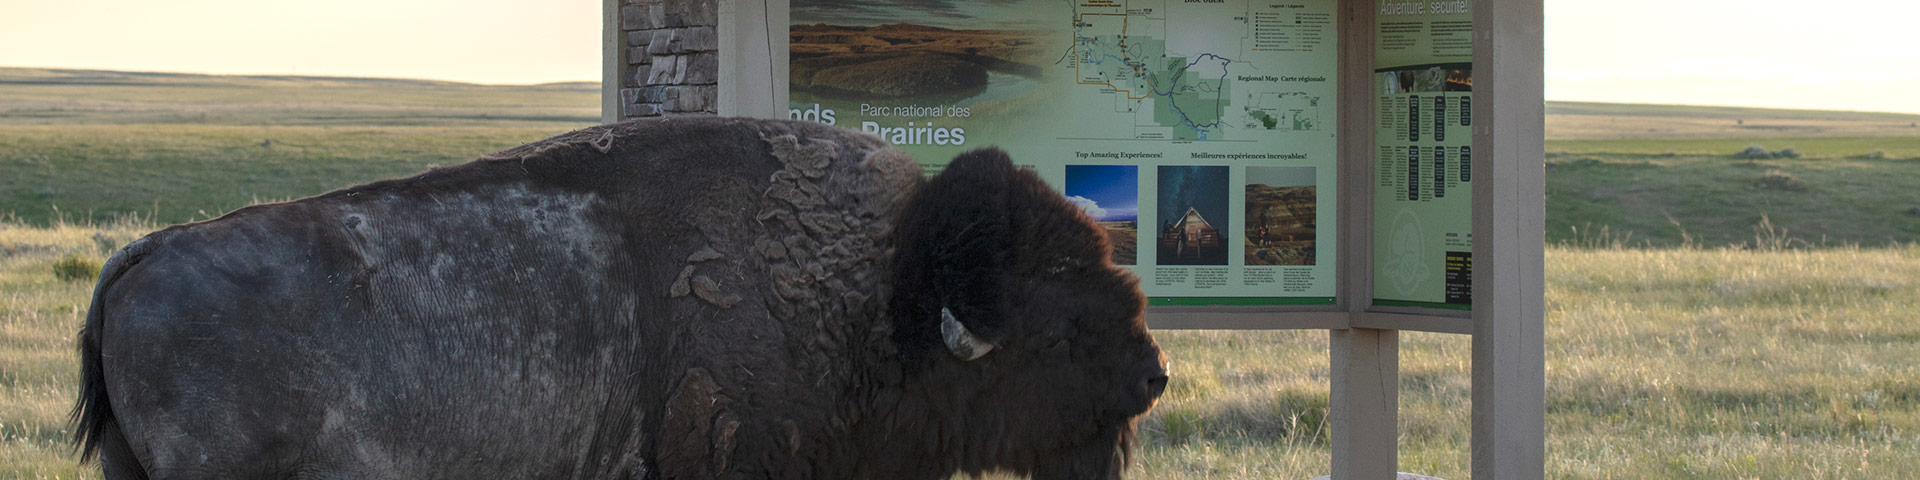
(1156, 384)
(1140, 395)
(1154, 380)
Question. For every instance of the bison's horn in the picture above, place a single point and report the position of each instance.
(961, 342)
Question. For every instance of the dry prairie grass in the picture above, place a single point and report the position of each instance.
(1677, 363)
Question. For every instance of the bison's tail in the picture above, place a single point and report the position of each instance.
(94, 426)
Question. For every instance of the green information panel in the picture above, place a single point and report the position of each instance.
(1423, 158)
(1199, 133)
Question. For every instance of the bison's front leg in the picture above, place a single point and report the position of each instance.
(1105, 458)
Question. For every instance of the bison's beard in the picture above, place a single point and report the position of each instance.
(1104, 458)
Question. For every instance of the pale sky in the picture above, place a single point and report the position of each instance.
(1831, 54)
(1826, 55)
(482, 41)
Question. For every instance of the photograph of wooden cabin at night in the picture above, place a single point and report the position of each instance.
(1192, 199)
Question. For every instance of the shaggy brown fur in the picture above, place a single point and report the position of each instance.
(693, 298)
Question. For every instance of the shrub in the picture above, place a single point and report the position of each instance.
(1778, 180)
(1877, 154)
(1753, 152)
(76, 267)
(1787, 153)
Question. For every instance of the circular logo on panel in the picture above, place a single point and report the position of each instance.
(1406, 256)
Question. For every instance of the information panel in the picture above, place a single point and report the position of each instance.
(1199, 133)
(1423, 159)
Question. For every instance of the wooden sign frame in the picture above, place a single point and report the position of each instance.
(1507, 320)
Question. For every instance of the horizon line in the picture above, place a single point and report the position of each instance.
(598, 81)
(297, 75)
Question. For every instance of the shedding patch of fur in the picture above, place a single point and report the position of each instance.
(698, 415)
(826, 215)
(699, 285)
(604, 142)
(682, 286)
(705, 254)
(702, 286)
(601, 138)
(709, 290)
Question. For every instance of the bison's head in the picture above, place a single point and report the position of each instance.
(1006, 303)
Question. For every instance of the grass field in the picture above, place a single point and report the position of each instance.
(1719, 200)
(94, 145)
(1675, 363)
(179, 173)
(1682, 363)
(1814, 148)
(1667, 176)
(1790, 356)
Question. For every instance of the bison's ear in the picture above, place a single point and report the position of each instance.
(955, 242)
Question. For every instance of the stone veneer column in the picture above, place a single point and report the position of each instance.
(671, 58)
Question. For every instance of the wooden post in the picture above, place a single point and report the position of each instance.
(612, 60)
(1509, 361)
(753, 58)
(1364, 401)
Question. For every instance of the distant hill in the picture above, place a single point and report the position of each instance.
(30, 96)
(1603, 121)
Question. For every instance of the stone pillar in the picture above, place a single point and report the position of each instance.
(671, 58)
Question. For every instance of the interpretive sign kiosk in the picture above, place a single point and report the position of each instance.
(1201, 135)
(1359, 166)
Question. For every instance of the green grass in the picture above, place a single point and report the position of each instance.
(1718, 200)
(1813, 147)
(1712, 112)
(94, 145)
(39, 316)
(180, 173)
(1666, 363)
(1676, 363)
(1667, 176)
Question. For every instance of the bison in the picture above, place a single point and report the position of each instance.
(683, 299)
